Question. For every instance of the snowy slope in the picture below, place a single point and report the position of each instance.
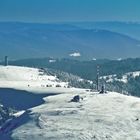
(26, 78)
(109, 116)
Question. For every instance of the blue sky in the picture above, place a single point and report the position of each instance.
(69, 10)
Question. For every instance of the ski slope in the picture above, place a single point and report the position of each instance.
(110, 116)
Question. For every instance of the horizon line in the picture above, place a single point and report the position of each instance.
(66, 22)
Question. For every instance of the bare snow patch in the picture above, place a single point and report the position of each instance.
(75, 54)
(119, 59)
(18, 114)
(52, 61)
(94, 59)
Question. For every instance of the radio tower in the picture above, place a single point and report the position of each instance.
(6, 60)
(97, 80)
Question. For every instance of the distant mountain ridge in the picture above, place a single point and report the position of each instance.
(26, 40)
(127, 28)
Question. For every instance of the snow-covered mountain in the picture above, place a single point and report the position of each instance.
(111, 116)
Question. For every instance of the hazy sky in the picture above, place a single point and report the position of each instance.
(69, 10)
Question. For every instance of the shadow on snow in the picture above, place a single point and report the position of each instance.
(20, 100)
